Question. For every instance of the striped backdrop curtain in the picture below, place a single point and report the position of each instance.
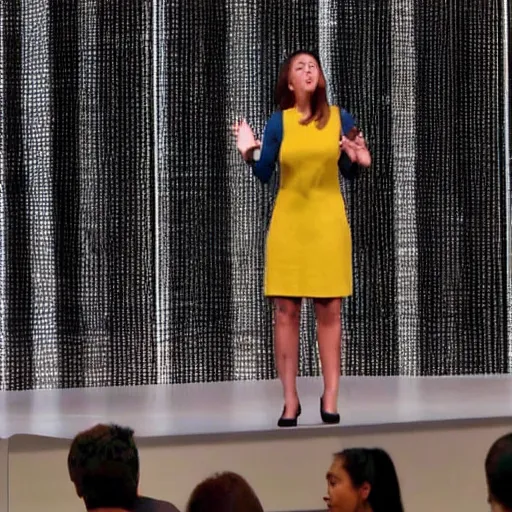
(132, 235)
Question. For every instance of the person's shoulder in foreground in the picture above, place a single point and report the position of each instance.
(146, 504)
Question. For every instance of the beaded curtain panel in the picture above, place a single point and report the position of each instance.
(132, 234)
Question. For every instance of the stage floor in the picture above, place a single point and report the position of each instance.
(252, 406)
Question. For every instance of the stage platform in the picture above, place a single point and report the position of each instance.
(252, 407)
(186, 432)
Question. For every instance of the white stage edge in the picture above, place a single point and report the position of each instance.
(252, 406)
(436, 429)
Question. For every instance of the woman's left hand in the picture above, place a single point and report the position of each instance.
(356, 150)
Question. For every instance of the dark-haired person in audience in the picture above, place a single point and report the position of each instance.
(103, 464)
(363, 480)
(498, 472)
(224, 492)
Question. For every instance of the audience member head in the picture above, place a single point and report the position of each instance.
(362, 479)
(224, 492)
(103, 463)
(498, 472)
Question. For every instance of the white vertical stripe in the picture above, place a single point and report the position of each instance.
(166, 35)
(243, 94)
(403, 111)
(327, 20)
(506, 134)
(3, 282)
(37, 158)
(162, 348)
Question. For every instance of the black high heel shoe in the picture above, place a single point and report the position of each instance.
(330, 418)
(289, 422)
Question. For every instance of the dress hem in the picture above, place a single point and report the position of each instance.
(308, 296)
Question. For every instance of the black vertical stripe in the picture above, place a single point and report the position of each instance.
(18, 318)
(64, 69)
(506, 111)
(198, 196)
(127, 177)
(364, 70)
(461, 193)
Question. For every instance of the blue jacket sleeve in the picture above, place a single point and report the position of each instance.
(349, 170)
(270, 146)
(348, 121)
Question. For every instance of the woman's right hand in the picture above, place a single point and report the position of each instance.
(356, 150)
(246, 143)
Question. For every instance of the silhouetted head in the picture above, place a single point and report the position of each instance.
(103, 463)
(224, 492)
(498, 472)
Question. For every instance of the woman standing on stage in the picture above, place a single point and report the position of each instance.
(309, 250)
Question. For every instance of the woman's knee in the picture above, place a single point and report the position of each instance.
(287, 311)
(328, 311)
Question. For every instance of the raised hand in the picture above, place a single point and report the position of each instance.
(356, 150)
(245, 139)
(346, 147)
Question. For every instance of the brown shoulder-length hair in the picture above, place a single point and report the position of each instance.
(224, 492)
(285, 98)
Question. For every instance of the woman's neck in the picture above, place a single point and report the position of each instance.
(303, 106)
(365, 507)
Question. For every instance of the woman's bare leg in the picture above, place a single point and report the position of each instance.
(328, 320)
(287, 323)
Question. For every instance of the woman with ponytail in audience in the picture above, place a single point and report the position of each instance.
(363, 480)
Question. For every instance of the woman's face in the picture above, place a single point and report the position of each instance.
(342, 496)
(304, 74)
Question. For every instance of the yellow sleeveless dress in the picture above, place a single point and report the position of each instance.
(309, 246)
